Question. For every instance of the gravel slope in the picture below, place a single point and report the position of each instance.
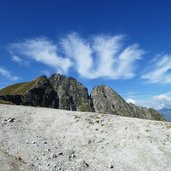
(50, 139)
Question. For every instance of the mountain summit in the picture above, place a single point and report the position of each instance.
(67, 93)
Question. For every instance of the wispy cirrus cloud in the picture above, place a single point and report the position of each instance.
(16, 59)
(7, 74)
(98, 56)
(159, 71)
(41, 50)
(102, 56)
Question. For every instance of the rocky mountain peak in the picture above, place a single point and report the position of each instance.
(106, 100)
(41, 81)
(72, 94)
(59, 91)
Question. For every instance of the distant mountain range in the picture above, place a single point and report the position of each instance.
(166, 112)
(67, 93)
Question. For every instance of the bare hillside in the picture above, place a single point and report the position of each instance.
(46, 139)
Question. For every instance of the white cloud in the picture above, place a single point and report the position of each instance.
(127, 59)
(43, 51)
(16, 59)
(106, 48)
(7, 74)
(98, 56)
(157, 102)
(131, 101)
(102, 56)
(163, 100)
(80, 51)
(160, 71)
(20, 60)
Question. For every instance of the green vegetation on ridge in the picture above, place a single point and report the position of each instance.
(19, 88)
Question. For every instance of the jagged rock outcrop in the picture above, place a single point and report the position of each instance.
(67, 93)
(58, 91)
(72, 94)
(15, 99)
(106, 100)
(41, 94)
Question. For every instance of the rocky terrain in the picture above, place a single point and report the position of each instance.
(106, 100)
(44, 139)
(67, 93)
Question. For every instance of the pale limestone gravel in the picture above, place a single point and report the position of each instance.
(51, 140)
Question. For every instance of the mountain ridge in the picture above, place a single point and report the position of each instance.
(166, 112)
(61, 92)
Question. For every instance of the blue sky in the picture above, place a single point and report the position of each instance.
(125, 44)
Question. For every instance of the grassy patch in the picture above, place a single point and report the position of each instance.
(168, 126)
(5, 102)
(84, 107)
(19, 88)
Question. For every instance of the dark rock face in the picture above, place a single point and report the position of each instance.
(106, 100)
(41, 94)
(72, 94)
(16, 99)
(57, 92)
(67, 93)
